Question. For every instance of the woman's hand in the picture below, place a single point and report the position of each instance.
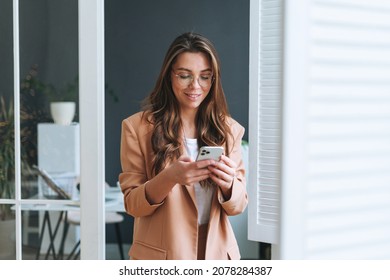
(185, 171)
(223, 173)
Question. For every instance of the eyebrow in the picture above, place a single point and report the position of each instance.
(188, 70)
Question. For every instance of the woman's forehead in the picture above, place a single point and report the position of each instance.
(192, 62)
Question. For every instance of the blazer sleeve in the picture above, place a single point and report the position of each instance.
(134, 176)
(239, 198)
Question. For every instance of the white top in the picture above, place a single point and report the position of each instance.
(203, 196)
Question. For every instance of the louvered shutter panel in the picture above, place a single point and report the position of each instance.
(265, 120)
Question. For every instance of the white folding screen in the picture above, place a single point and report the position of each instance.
(335, 131)
(348, 130)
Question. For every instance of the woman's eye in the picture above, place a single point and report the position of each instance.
(206, 78)
(185, 77)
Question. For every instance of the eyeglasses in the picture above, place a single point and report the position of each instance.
(185, 79)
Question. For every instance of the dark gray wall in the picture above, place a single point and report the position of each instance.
(6, 49)
(138, 34)
(48, 38)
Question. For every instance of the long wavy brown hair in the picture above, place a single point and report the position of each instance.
(163, 111)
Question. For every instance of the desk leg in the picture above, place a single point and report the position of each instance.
(41, 237)
(63, 238)
(46, 221)
(52, 235)
(60, 218)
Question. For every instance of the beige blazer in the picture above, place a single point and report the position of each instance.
(169, 230)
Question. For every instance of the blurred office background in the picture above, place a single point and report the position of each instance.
(309, 80)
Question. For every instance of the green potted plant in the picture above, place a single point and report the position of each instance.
(7, 157)
(63, 101)
(7, 173)
(7, 186)
(7, 162)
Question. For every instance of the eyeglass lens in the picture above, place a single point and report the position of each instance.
(186, 79)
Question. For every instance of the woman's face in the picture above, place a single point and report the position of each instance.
(191, 79)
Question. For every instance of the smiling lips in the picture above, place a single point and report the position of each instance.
(193, 96)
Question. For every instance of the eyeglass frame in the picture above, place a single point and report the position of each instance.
(192, 79)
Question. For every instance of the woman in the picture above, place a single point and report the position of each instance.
(180, 206)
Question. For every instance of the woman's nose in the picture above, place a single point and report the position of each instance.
(195, 83)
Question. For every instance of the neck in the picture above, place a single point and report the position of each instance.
(188, 122)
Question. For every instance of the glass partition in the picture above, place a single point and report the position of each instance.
(48, 94)
(49, 129)
(7, 233)
(48, 135)
(7, 143)
(44, 235)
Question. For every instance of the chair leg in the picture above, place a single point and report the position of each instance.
(119, 238)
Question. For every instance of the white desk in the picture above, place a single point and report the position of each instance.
(113, 203)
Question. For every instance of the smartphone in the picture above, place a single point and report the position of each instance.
(210, 152)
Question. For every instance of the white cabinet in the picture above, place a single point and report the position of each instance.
(59, 147)
(59, 156)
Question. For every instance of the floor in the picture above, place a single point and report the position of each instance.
(31, 237)
(112, 252)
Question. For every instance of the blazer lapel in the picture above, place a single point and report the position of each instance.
(191, 192)
(190, 189)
